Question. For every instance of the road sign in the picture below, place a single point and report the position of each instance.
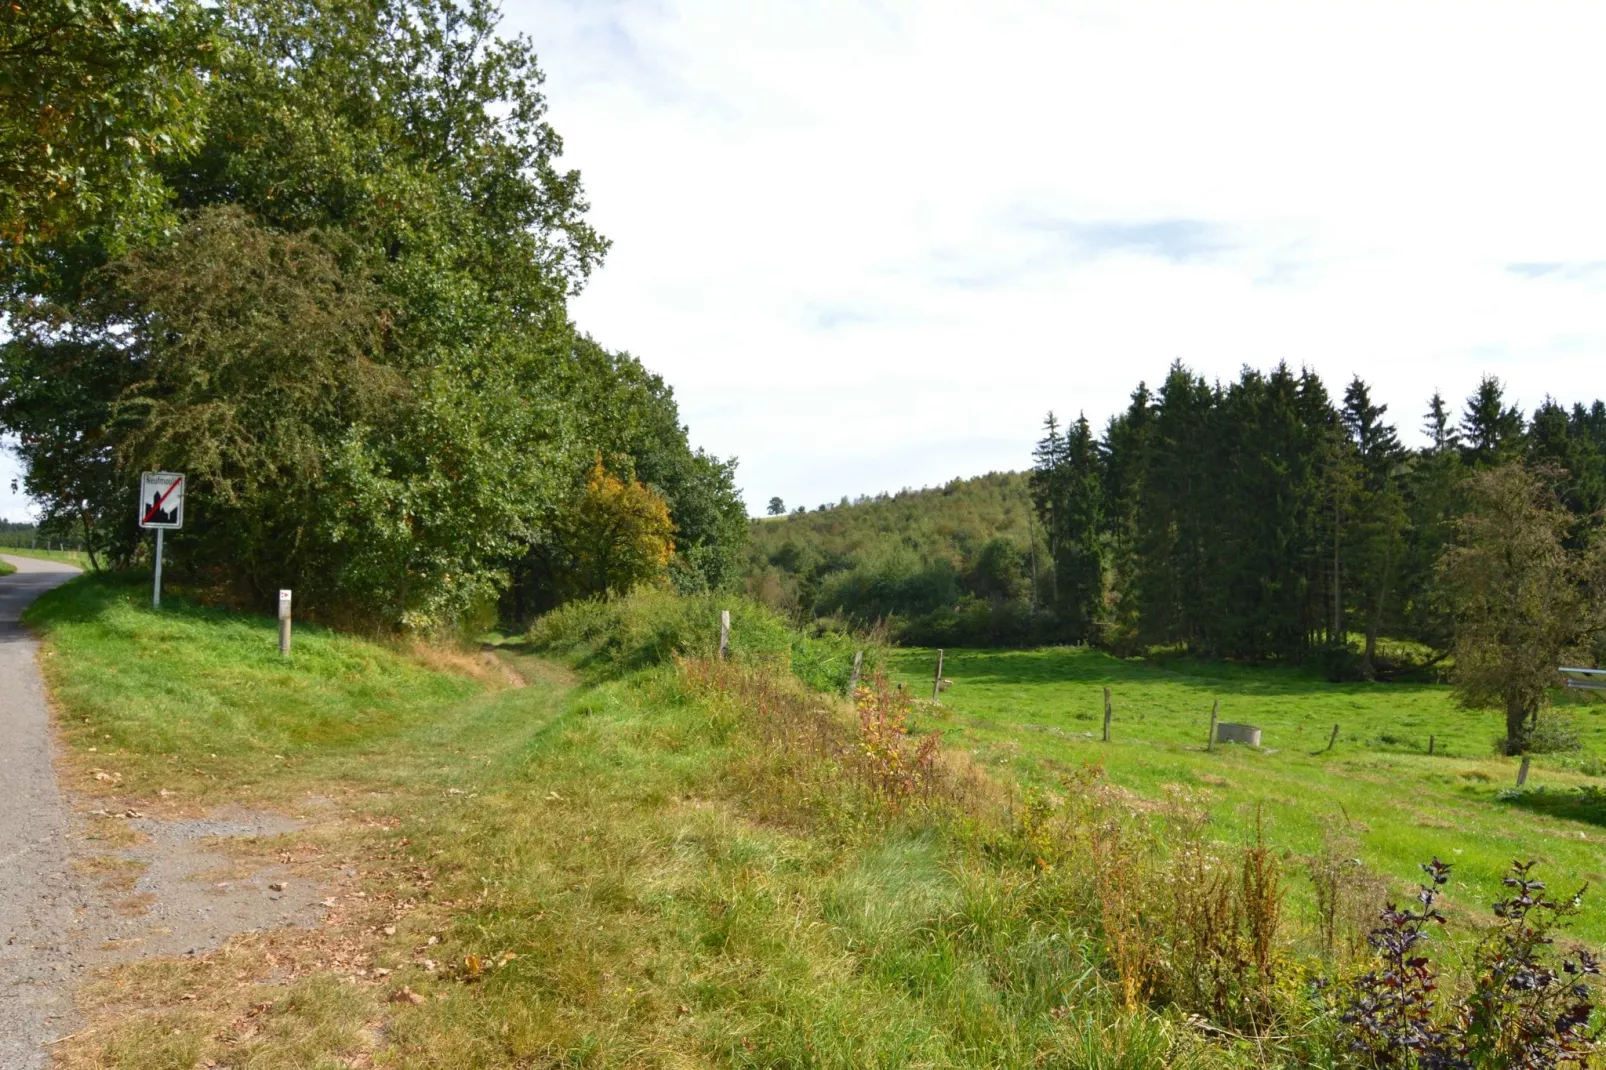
(161, 500)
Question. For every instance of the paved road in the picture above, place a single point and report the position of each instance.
(37, 902)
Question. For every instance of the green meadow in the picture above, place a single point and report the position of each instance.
(1040, 713)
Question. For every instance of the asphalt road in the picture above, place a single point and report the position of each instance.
(37, 899)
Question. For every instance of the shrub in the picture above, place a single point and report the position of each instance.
(1556, 732)
(651, 627)
(1525, 1006)
(893, 764)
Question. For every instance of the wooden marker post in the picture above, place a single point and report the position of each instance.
(1430, 746)
(853, 681)
(1522, 772)
(1215, 710)
(724, 632)
(1106, 715)
(936, 682)
(284, 622)
(1332, 739)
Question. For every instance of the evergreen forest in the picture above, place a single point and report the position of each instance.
(1261, 519)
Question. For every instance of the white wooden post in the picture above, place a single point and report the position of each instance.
(724, 631)
(853, 681)
(284, 622)
(936, 683)
(1215, 709)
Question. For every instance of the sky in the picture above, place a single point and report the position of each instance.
(871, 244)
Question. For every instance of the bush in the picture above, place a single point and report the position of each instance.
(610, 636)
(1556, 733)
(1526, 1005)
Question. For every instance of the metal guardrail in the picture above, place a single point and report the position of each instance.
(1584, 679)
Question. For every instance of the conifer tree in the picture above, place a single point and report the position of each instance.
(1491, 431)
(1079, 563)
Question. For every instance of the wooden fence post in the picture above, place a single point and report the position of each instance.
(1430, 746)
(724, 632)
(1215, 708)
(1522, 772)
(1106, 715)
(936, 683)
(853, 681)
(1332, 739)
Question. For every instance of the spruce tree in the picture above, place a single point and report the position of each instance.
(1079, 562)
(1491, 431)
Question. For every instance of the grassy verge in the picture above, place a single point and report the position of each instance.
(1040, 713)
(560, 874)
(7, 568)
(71, 557)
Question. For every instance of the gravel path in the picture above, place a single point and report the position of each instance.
(37, 901)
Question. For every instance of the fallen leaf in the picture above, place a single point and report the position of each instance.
(389, 930)
(406, 995)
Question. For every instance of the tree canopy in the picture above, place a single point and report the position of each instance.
(353, 333)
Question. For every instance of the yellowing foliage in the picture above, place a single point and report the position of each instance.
(618, 536)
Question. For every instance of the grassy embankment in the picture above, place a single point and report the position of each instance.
(608, 873)
(1039, 712)
(71, 557)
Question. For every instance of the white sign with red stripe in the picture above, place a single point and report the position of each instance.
(161, 500)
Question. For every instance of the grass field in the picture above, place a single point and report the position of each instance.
(1040, 713)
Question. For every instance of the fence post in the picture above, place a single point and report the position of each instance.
(853, 681)
(1106, 715)
(1332, 739)
(936, 682)
(1522, 772)
(724, 632)
(1430, 746)
(284, 621)
(1215, 708)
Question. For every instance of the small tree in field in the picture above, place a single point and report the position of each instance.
(1522, 601)
(776, 506)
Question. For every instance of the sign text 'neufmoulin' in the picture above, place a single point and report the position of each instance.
(161, 500)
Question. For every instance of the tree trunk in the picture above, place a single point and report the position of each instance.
(1516, 719)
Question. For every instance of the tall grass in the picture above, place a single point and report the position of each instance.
(614, 636)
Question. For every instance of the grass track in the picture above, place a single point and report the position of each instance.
(1040, 712)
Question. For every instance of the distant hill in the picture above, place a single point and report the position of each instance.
(950, 564)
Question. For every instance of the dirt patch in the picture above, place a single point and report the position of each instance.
(184, 886)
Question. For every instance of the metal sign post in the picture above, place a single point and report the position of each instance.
(161, 506)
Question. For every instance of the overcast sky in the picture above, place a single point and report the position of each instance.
(870, 244)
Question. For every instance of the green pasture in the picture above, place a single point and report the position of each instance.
(1040, 713)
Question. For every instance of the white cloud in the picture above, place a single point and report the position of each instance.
(870, 243)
